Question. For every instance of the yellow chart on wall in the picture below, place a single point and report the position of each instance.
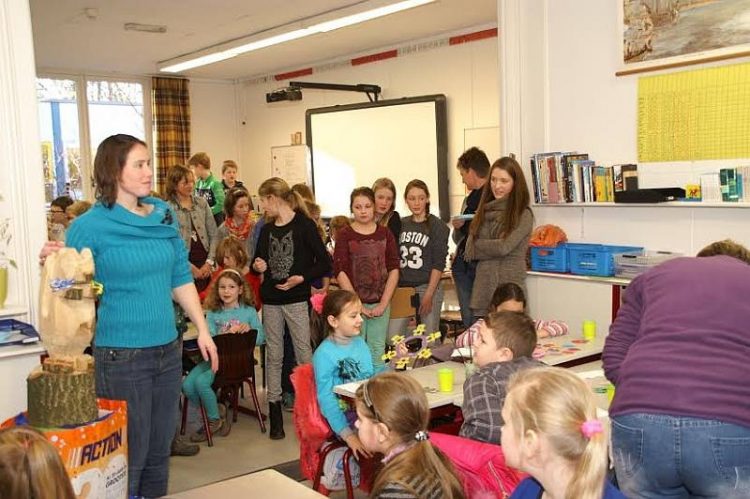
(694, 115)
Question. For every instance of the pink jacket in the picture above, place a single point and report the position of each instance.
(480, 466)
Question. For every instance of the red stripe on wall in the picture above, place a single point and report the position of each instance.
(293, 74)
(472, 37)
(389, 54)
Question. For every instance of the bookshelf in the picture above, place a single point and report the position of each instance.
(668, 204)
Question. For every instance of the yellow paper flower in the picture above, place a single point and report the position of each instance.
(389, 355)
(420, 329)
(402, 362)
(434, 336)
(397, 339)
(425, 353)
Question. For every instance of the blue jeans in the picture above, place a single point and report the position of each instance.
(660, 456)
(148, 379)
(463, 278)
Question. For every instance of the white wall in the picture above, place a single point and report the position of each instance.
(572, 100)
(214, 126)
(466, 74)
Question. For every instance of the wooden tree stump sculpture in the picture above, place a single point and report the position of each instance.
(62, 391)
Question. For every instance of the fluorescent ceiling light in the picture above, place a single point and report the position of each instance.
(322, 27)
(367, 15)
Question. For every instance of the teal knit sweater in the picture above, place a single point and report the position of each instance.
(139, 260)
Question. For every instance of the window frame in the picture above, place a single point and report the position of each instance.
(84, 134)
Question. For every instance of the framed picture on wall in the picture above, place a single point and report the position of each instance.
(663, 34)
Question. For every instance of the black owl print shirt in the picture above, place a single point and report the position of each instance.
(291, 249)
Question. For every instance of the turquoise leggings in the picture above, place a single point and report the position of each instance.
(375, 331)
(197, 388)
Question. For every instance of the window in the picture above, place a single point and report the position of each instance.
(109, 107)
(59, 131)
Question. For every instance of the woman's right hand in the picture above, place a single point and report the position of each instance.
(49, 248)
(355, 444)
(260, 265)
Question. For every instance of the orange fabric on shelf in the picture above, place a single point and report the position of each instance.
(548, 236)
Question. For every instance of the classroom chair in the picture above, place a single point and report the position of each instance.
(236, 367)
(405, 303)
(313, 431)
(480, 466)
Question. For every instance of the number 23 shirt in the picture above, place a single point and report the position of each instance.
(423, 247)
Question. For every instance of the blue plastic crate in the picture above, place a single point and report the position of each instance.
(549, 259)
(596, 259)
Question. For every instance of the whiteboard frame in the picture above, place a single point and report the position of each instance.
(441, 135)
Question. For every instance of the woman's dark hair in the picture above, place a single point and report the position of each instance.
(175, 175)
(518, 198)
(111, 156)
(333, 304)
(234, 195)
(362, 191)
(505, 292)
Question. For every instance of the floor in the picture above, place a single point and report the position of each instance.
(243, 451)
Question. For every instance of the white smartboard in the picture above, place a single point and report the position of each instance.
(403, 139)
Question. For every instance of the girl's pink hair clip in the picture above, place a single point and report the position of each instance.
(316, 300)
(591, 427)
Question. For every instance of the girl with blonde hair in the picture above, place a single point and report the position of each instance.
(552, 433)
(30, 467)
(393, 415)
(290, 255)
(385, 205)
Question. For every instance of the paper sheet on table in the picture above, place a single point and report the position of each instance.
(596, 373)
(350, 387)
(463, 352)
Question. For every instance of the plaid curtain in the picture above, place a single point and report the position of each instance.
(170, 101)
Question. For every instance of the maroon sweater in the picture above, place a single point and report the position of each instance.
(680, 344)
(366, 260)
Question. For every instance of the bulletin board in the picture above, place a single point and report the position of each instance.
(292, 163)
(695, 115)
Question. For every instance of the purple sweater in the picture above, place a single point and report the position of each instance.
(680, 343)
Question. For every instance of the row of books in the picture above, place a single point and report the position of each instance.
(728, 185)
(570, 177)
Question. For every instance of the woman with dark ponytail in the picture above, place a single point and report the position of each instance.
(393, 414)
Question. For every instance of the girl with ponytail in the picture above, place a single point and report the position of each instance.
(552, 433)
(289, 255)
(393, 414)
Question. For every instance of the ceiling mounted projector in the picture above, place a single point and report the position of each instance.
(288, 93)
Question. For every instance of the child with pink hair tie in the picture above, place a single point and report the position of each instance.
(552, 433)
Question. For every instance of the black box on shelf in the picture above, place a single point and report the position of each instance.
(659, 195)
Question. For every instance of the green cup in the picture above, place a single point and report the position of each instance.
(445, 379)
(589, 330)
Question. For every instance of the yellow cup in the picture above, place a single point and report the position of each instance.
(445, 379)
(610, 392)
(589, 330)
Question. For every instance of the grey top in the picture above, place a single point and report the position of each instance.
(500, 259)
(203, 224)
(423, 247)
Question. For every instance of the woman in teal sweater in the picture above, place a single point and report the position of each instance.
(142, 262)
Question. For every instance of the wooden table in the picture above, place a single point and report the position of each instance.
(427, 377)
(266, 484)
